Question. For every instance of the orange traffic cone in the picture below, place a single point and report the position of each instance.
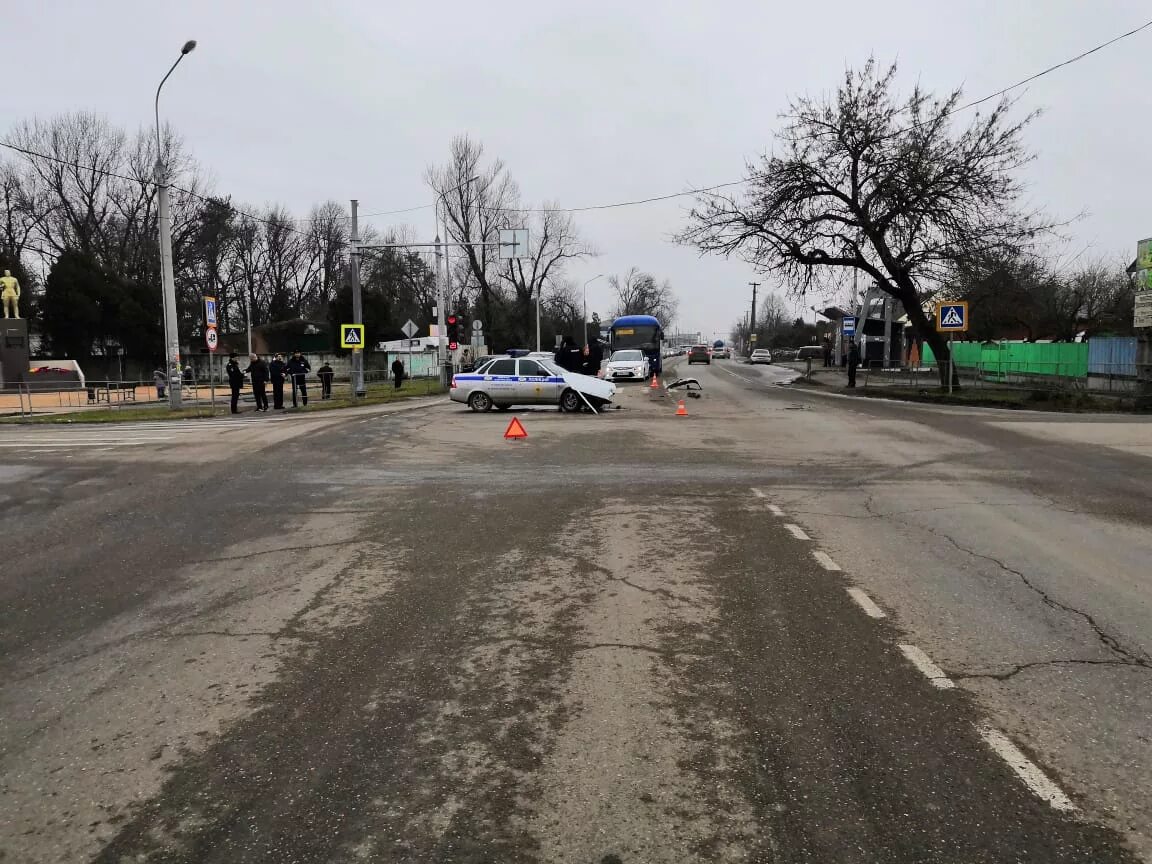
(681, 411)
(653, 385)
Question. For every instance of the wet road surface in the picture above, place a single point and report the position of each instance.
(629, 638)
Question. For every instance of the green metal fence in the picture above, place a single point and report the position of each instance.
(1013, 361)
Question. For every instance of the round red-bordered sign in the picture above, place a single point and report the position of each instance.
(211, 339)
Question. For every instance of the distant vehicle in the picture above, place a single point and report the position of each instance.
(761, 355)
(699, 354)
(507, 381)
(721, 352)
(627, 363)
(638, 331)
(813, 352)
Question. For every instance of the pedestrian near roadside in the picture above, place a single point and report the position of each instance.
(397, 371)
(257, 373)
(325, 374)
(276, 372)
(235, 381)
(853, 361)
(161, 382)
(298, 368)
(189, 375)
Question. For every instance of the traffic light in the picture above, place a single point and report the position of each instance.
(453, 322)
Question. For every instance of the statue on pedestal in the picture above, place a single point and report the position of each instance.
(10, 294)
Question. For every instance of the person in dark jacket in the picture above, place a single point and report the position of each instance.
(235, 381)
(397, 368)
(257, 373)
(298, 368)
(276, 372)
(325, 374)
(853, 361)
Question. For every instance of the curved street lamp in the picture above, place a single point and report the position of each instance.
(164, 228)
(586, 284)
(446, 284)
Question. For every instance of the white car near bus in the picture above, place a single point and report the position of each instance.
(627, 363)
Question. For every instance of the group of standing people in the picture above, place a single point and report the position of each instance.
(572, 358)
(295, 371)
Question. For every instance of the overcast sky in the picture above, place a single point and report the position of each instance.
(593, 102)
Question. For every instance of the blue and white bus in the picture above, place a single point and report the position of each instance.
(639, 331)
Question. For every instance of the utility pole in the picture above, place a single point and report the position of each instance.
(441, 315)
(357, 303)
(752, 319)
(164, 228)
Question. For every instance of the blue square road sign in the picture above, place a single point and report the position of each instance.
(952, 317)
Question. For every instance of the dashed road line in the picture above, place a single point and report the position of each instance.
(797, 532)
(866, 603)
(759, 493)
(1026, 769)
(924, 663)
(774, 510)
(825, 561)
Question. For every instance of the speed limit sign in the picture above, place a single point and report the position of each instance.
(212, 340)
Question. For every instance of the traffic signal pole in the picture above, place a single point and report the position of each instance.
(358, 388)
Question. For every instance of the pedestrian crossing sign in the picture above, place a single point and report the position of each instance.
(352, 336)
(952, 317)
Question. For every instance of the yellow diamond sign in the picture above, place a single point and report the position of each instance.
(352, 336)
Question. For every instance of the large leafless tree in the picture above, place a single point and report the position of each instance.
(638, 293)
(867, 180)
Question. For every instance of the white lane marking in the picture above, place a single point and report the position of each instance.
(797, 532)
(866, 603)
(1026, 769)
(774, 510)
(924, 663)
(758, 493)
(825, 561)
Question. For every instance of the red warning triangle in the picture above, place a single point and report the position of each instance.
(515, 429)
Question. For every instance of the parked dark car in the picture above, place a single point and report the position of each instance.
(699, 354)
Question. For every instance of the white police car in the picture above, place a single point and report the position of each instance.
(507, 381)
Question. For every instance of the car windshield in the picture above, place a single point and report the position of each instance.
(627, 356)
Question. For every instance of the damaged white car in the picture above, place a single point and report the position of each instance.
(506, 381)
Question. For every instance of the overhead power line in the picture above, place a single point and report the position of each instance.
(616, 204)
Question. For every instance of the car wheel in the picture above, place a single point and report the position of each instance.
(570, 401)
(480, 401)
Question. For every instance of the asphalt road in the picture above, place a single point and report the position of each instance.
(788, 627)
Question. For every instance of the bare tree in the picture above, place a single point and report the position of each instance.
(866, 181)
(327, 226)
(638, 293)
(474, 211)
(552, 240)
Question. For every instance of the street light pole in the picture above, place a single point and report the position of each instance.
(586, 284)
(167, 277)
(445, 283)
(358, 388)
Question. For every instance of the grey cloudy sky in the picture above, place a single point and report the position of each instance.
(296, 102)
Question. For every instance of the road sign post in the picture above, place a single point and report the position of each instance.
(848, 325)
(211, 339)
(952, 318)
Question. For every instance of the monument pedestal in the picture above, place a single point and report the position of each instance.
(13, 352)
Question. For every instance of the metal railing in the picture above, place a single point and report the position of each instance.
(29, 398)
(1117, 378)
